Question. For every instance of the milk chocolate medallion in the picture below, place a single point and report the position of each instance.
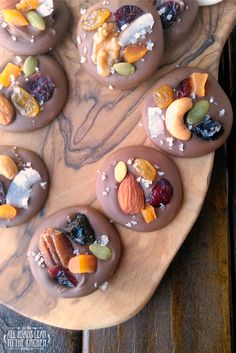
(33, 91)
(120, 42)
(187, 113)
(177, 17)
(74, 252)
(32, 27)
(140, 188)
(23, 185)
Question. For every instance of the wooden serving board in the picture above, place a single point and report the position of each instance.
(94, 122)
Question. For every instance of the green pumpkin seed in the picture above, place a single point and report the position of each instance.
(36, 20)
(30, 65)
(198, 112)
(101, 252)
(124, 69)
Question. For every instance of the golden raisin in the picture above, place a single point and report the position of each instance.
(163, 96)
(145, 169)
(94, 19)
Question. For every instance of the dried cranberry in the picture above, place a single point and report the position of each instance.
(209, 129)
(184, 88)
(2, 194)
(169, 12)
(80, 230)
(63, 276)
(127, 14)
(41, 87)
(161, 194)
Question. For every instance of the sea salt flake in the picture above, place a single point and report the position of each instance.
(104, 286)
(104, 240)
(222, 112)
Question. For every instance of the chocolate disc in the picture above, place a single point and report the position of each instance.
(25, 160)
(108, 188)
(55, 77)
(151, 39)
(219, 109)
(87, 282)
(28, 40)
(182, 25)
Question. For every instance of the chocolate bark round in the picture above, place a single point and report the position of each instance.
(220, 109)
(144, 68)
(180, 29)
(30, 41)
(107, 187)
(39, 192)
(87, 282)
(51, 109)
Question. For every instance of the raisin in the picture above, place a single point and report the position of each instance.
(41, 87)
(209, 129)
(184, 88)
(169, 12)
(80, 230)
(63, 276)
(2, 194)
(163, 96)
(161, 194)
(127, 14)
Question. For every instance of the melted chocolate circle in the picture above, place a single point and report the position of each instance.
(109, 200)
(51, 109)
(38, 194)
(195, 147)
(88, 282)
(43, 41)
(144, 69)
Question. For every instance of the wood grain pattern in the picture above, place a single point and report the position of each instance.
(93, 123)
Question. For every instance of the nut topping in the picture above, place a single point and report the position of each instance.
(130, 195)
(6, 111)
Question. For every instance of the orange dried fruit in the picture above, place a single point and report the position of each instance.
(83, 264)
(14, 18)
(163, 96)
(145, 169)
(134, 53)
(149, 214)
(10, 71)
(95, 18)
(198, 83)
(7, 212)
(27, 5)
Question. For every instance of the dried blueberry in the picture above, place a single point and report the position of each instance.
(2, 194)
(127, 14)
(63, 276)
(41, 87)
(161, 194)
(184, 88)
(80, 230)
(169, 12)
(209, 129)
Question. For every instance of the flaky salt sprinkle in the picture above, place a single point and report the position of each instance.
(162, 206)
(110, 87)
(82, 11)
(95, 284)
(4, 25)
(85, 50)
(161, 173)
(150, 45)
(181, 147)
(222, 112)
(104, 286)
(130, 161)
(13, 38)
(18, 59)
(105, 2)
(138, 179)
(79, 40)
(32, 39)
(83, 59)
(103, 176)
(105, 193)
(104, 240)
(43, 185)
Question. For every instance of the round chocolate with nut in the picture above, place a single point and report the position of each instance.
(120, 42)
(194, 120)
(24, 185)
(146, 194)
(74, 252)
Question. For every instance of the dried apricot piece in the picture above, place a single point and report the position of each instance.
(94, 19)
(134, 53)
(198, 82)
(163, 96)
(145, 169)
(14, 18)
(10, 72)
(27, 5)
(149, 214)
(83, 264)
(7, 212)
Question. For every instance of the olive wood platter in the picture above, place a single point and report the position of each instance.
(95, 122)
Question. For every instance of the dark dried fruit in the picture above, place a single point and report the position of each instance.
(2, 194)
(41, 87)
(161, 194)
(184, 89)
(80, 230)
(169, 12)
(63, 276)
(127, 14)
(209, 129)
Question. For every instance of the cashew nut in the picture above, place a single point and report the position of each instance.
(174, 118)
(8, 167)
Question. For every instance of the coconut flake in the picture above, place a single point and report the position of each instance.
(46, 8)
(155, 122)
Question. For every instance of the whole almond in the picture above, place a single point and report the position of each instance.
(8, 4)
(130, 195)
(6, 111)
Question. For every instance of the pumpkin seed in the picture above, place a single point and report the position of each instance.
(30, 65)
(101, 252)
(198, 112)
(124, 69)
(36, 20)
